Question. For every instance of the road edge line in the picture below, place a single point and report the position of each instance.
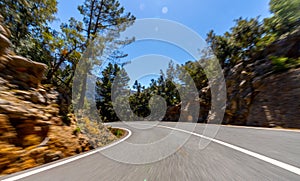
(48, 167)
(272, 161)
(264, 128)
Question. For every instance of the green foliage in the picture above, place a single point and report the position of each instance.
(284, 63)
(104, 91)
(21, 16)
(280, 63)
(248, 37)
(61, 50)
(117, 132)
(197, 73)
(106, 19)
(239, 44)
(77, 131)
(140, 96)
(27, 30)
(99, 17)
(286, 16)
(102, 19)
(139, 101)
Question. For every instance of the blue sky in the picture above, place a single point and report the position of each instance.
(198, 15)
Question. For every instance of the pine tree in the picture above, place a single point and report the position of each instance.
(27, 21)
(104, 88)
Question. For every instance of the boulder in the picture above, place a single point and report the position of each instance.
(37, 69)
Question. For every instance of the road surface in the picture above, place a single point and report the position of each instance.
(235, 153)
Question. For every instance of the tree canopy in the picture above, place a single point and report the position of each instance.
(249, 36)
(63, 49)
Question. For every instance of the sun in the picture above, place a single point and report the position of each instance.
(164, 10)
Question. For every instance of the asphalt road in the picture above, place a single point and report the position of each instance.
(163, 152)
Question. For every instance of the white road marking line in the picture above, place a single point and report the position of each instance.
(38, 170)
(228, 126)
(262, 128)
(272, 161)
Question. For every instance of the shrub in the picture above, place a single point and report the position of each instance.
(284, 63)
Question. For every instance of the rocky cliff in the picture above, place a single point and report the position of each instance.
(32, 131)
(262, 91)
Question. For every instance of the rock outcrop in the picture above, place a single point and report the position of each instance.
(32, 131)
(276, 102)
(258, 95)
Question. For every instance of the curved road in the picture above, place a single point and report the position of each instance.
(235, 153)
